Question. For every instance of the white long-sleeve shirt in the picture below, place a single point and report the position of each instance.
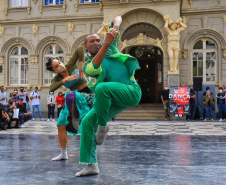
(51, 99)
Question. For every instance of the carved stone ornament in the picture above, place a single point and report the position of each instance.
(28, 10)
(70, 27)
(34, 29)
(64, 8)
(190, 2)
(101, 6)
(184, 54)
(224, 18)
(35, 1)
(224, 53)
(1, 60)
(34, 59)
(76, 7)
(185, 20)
(2, 29)
(40, 9)
(104, 29)
(68, 57)
(141, 39)
(6, 11)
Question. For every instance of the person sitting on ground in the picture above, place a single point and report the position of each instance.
(23, 115)
(12, 106)
(4, 118)
(208, 101)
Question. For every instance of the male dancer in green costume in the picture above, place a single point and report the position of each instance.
(115, 90)
(72, 78)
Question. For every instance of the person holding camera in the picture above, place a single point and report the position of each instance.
(35, 96)
(60, 102)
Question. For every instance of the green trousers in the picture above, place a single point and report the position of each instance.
(111, 98)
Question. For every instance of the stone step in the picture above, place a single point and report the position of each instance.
(141, 114)
(145, 110)
(140, 118)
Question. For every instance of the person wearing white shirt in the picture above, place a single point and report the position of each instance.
(3, 96)
(51, 100)
(35, 96)
(22, 94)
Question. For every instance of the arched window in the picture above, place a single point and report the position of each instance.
(52, 51)
(204, 58)
(18, 74)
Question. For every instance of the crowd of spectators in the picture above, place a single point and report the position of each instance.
(16, 108)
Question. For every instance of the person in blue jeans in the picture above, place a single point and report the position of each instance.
(35, 96)
(220, 103)
(192, 103)
(208, 101)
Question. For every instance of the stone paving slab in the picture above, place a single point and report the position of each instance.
(133, 128)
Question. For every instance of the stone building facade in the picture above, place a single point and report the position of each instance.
(36, 30)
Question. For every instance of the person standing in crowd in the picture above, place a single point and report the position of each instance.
(14, 91)
(23, 94)
(192, 103)
(60, 102)
(224, 106)
(23, 115)
(207, 88)
(3, 97)
(35, 96)
(221, 102)
(208, 101)
(51, 100)
(165, 101)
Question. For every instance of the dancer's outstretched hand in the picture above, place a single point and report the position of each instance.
(111, 36)
(71, 78)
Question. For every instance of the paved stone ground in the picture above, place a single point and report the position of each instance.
(134, 128)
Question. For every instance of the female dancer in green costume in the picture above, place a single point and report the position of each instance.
(72, 78)
(115, 91)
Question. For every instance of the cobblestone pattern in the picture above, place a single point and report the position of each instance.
(133, 128)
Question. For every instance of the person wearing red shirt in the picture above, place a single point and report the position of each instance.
(60, 102)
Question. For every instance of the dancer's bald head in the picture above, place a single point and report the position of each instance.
(92, 44)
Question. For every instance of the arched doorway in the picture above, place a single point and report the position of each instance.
(144, 41)
(150, 76)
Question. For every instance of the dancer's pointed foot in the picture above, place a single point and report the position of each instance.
(91, 169)
(101, 133)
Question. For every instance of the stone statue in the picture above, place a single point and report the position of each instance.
(104, 29)
(173, 30)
